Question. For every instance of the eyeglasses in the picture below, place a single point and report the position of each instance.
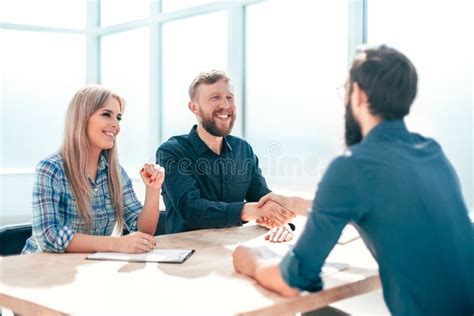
(341, 92)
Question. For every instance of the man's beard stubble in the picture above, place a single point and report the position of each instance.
(353, 133)
(211, 127)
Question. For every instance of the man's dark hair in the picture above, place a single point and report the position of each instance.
(207, 78)
(388, 78)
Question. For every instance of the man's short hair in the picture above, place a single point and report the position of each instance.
(388, 78)
(209, 77)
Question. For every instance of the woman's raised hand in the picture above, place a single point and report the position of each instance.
(152, 175)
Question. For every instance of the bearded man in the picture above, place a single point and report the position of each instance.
(213, 179)
(397, 188)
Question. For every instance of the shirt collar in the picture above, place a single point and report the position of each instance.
(387, 127)
(199, 146)
(102, 161)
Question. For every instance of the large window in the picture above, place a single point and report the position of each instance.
(285, 58)
(53, 13)
(173, 5)
(296, 58)
(121, 11)
(40, 73)
(124, 68)
(441, 49)
(189, 47)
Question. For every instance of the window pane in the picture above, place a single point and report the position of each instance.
(45, 12)
(296, 58)
(173, 5)
(40, 74)
(125, 70)
(443, 108)
(189, 47)
(120, 11)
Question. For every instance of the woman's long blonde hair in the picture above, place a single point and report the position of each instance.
(75, 152)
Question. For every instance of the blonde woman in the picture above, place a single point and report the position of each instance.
(82, 193)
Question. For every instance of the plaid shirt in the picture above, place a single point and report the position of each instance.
(55, 213)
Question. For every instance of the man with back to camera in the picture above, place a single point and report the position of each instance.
(212, 178)
(397, 188)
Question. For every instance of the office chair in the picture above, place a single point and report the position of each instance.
(13, 238)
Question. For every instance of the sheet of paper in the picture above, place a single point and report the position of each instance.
(157, 255)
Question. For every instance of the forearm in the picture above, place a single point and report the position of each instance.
(83, 243)
(148, 218)
(268, 275)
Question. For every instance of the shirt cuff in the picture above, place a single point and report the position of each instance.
(65, 235)
(235, 213)
(132, 224)
(131, 217)
(294, 275)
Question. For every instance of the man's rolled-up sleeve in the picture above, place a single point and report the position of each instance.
(342, 197)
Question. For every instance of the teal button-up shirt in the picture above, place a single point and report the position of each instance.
(402, 194)
(205, 190)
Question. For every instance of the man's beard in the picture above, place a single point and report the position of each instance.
(210, 125)
(353, 134)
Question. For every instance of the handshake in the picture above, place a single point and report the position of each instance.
(275, 210)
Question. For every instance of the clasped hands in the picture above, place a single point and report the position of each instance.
(271, 212)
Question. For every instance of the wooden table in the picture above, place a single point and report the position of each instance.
(205, 284)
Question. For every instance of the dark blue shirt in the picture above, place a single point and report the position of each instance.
(206, 190)
(402, 194)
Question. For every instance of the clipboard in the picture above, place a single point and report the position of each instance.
(161, 255)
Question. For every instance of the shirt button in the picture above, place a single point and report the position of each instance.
(95, 190)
